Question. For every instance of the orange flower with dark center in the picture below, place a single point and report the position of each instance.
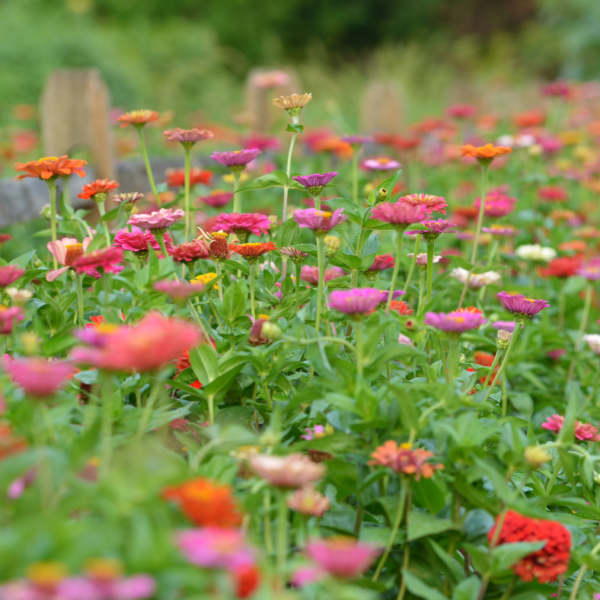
(51, 167)
(252, 250)
(138, 118)
(100, 186)
(484, 154)
(205, 503)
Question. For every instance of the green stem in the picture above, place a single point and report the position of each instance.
(406, 557)
(561, 306)
(288, 169)
(52, 192)
(252, 266)
(237, 199)
(147, 414)
(211, 409)
(107, 426)
(430, 247)
(494, 363)
(555, 473)
(321, 263)
(513, 341)
(317, 201)
(484, 171)
(404, 487)
(220, 278)
(355, 175)
(421, 288)
(452, 357)
(187, 194)
(577, 583)
(582, 326)
(197, 319)
(282, 535)
(79, 288)
(399, 240)
(106, 290)
(298, 273)
(413, 263)
(102, 210)
(148, 167)
(267, 522)
(359, 350)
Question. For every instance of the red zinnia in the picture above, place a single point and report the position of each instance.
(546, 564)
(563, 267)
(176, 177)
(401, 307)
(107, 260)
(205, 503)
(247, 579)
(138, 118)
(190, 251)
(100, 186)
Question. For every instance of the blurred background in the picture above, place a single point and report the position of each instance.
(193, 56)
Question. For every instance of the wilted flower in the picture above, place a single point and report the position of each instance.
(308, 501)
(503, 339)
(583, 431)
(296, 256)
(138, 118)
(404, 460)
(188, 137)
(128, 199)
(293, 104)
(357, 301)
(535, 252)
(315, 184)
(39, 378)
(476, 280)
(291, 471)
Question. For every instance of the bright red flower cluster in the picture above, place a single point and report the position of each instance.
(545, 564)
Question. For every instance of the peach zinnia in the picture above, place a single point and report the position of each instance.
(485, 154)
(138, 118)
(403, 459)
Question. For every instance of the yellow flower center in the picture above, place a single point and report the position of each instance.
(46, 574)
(322, 213)
(104, 568)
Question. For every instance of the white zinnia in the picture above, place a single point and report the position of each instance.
(536, 253)
(593, 341)
(422, 258)
(477, 280)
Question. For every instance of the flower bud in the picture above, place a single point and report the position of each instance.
(597, 478)
(46, 211)
(503, 339)
(30, 343)
(462, 358)
(332, 245)
(37, 263)
(536, 456)
(381, 196)
(405, 341)
(271, 331)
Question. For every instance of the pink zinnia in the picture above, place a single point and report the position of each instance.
(311, 274)
(106, 260)
(583, 431)
(139, 241)
(357, 301)
(553, 193)
(521, 306)
(154, 343)
(461, 111)
(9, 275)
(236, 160)
(497, 204)
(159, 219)
(245, 223)
(590, 271)
(315, 184)
(8, 316)
(454, 322)
(217, 198)
(342, 557)
(319, 221)
(434, 229)
(178, 290)
(291, 471)
(429, 202)
(66, 252)
(38, 377)
(382, 163)
(400, 214)
(215, 548)
(190, 251)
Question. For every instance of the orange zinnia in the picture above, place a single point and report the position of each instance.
(138, 118)
(206, 503)
(100, 186)
(485, 154)
(253, 250)
(51, 167)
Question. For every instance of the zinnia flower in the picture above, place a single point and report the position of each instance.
(319, 221)
(476, 280)
(215, 548)
(545, 564)
(187, 137)
(39, 378)
(138, 118)
(497, 204)
(308, 501)
(500, 230)
(311, 274)
(236, 160)
(205, 502)
(590, 271)
(381, 163)
(8, 316)
(139, 241)
(401, 307)
(243, 224)
(217, 198)
(403, 459)
(190, 251)
(553, 193)
(106, 260)
(177, 290)
(51, 167)
(455, 322)
(293, 104)
(176, 177)
(100, 187)
(66, 252)
(593, 341)
(434, 229)
(485, 154)
(563, 267)
(583, 431)
(252, 252)
(342, 557)
(154, 342)
(159, 219)
(523, 308)
(315, 184)
(399, 214)
(291, 471)
(382, 262)
(535, 252)
(296, 256)
(357, 301)
(9, 274)
(429, 202)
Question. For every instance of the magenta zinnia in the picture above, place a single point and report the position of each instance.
(100, 261)
(357, 301)
(237, 159)
(242, 224)
(399, 214)
(454, 322)
(523, 308)
(39, 378)
(315, 184)
(159, 219)
(429, 202)
(319, 221)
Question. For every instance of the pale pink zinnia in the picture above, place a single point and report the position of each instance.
(309, 501)
(291, 471)
(429, 202)
(342, 557)
(399, 214)
(311, 274)
(583, 431)
(178, 290)
(66, 251)
(38, 377)
(159, 219)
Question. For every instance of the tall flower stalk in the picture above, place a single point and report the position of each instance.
(320, 287)
(413, 262)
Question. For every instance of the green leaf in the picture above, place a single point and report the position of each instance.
(467, 589)
(459, 261)
(205, 363)
(294, 128)
(23, 260)
(219, 386)
(234, 301)
(236, 415)
(505, 556)
(415, 586)
(66, 211)
(111, 214)
(273, 179)
(389, 184)
(422, 524)
(287, 233)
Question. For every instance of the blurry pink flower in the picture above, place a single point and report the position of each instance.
(139, 241)
(188, 137)
(319, 221)
(99, 261)
(307, 575)
(159, 219)
(18, 486)
(382, 262)
(291, 471)
(311, 274)
(429, 202)
(381, 163)
(38, 377)
(583, 431)
(153, 343)
(497, 204)
(400, 214)
(217, 198)
(178, 290)
(405, 341)
(355, 301)
(342, 557)
(215, 548)
(308, 501)
(8, 316)
(9, 274)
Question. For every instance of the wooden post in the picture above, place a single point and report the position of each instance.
(383, 107)
(74, 112)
